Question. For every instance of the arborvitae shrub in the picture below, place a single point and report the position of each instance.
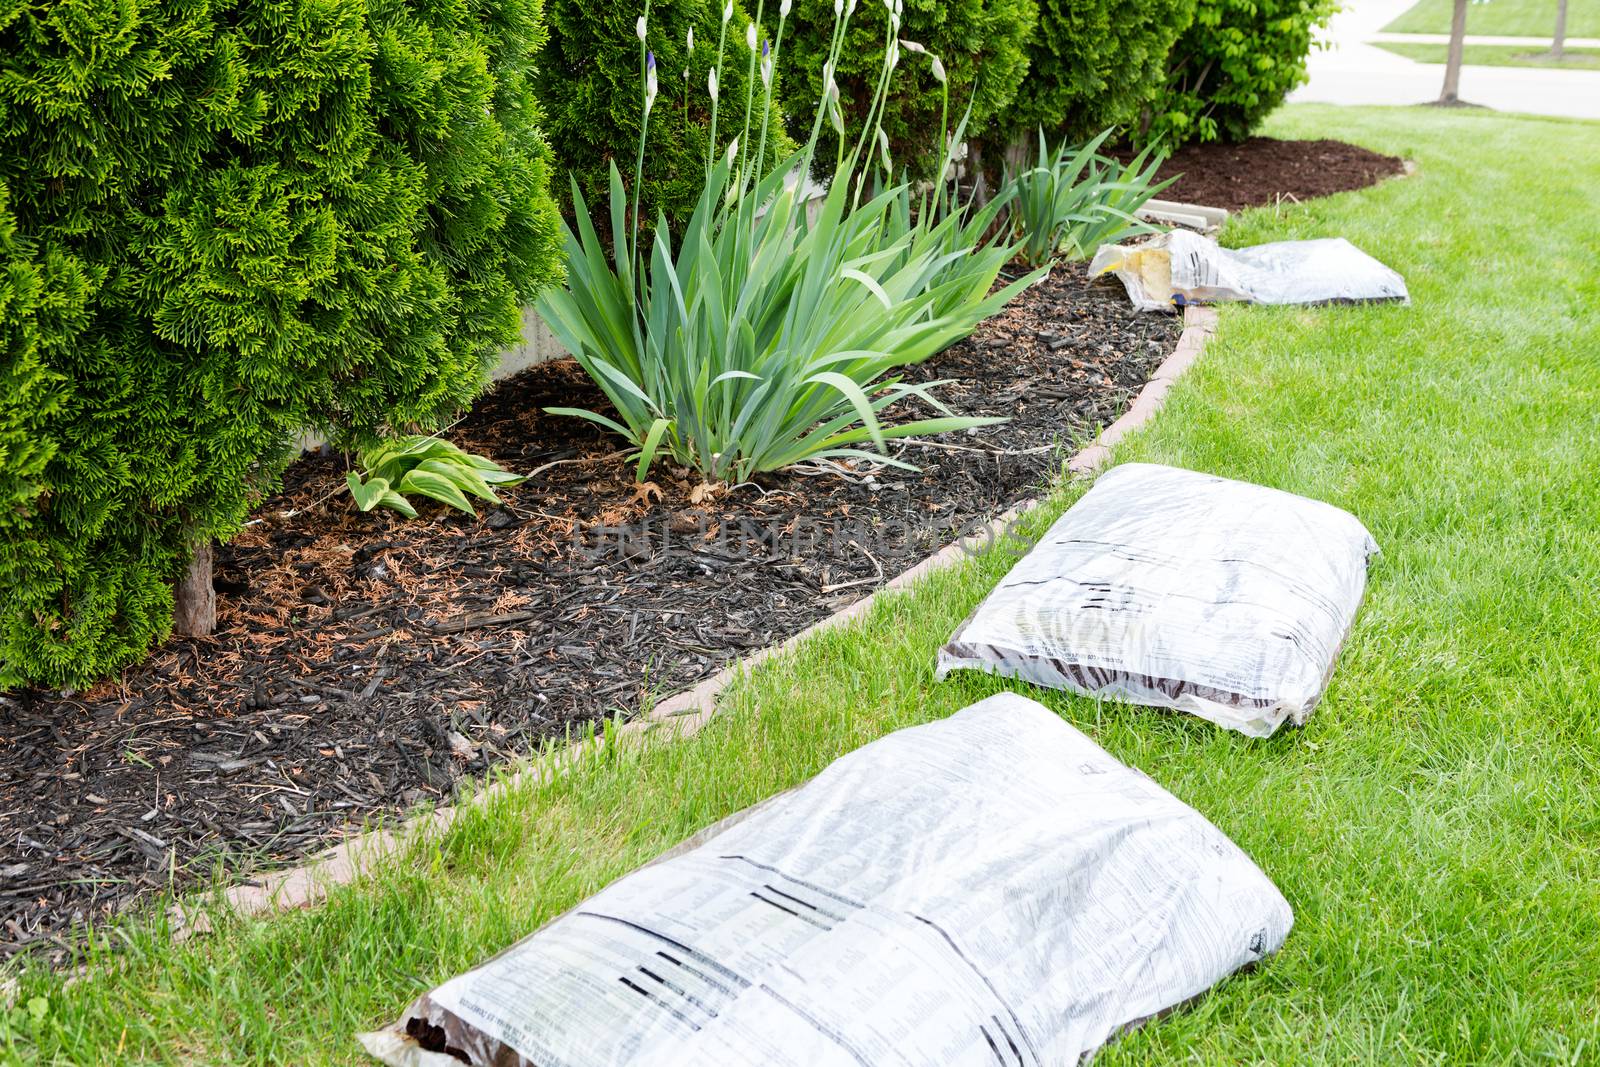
(235, 220)
(983, 45)
(1237, 61)
(42, 297)
(1094, 64)
(592, 92)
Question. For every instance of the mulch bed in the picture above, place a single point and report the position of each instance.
(365, 663)
(1264, 171)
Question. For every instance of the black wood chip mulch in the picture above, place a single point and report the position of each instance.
(1263, 171)
(365, 663)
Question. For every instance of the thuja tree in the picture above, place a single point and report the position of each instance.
(229, 221)
(975, 49)
(1095, 64)
(42, 305)
(589, 84)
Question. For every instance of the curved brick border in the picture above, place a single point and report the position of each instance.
(686, 712)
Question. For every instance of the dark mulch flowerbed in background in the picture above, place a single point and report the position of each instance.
(1264, 171)
(364, 663)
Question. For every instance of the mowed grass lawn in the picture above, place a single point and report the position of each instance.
(1496, 55)
(1514, 18)
(1436, 826)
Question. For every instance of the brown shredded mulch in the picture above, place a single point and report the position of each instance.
(365, 663)
(1264, 171)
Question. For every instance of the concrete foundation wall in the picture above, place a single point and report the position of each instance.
(538, 345)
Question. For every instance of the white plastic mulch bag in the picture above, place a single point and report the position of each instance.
(1186, 268)
(992, 888)
(1180, 590)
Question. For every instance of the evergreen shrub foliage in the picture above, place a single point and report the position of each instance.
(1095, 64)
(588, 82)
(1237, 61)
(229, 221)
(982, 46)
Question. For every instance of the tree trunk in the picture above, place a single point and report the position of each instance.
(1452, 65)
(1558, 46)
(195, 614)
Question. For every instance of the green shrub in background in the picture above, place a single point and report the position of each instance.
(233, 221)
(1095, 64)
(587, 81)
(1237, 61)
(982, 45)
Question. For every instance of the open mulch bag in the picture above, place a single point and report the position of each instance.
(989, 888)
(1181, 268)
(1180, 590)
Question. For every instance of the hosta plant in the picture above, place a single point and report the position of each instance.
(1075, 200)
(767, 335)
(425, 466)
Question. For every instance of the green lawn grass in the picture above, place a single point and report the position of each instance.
(1496, 55)
(1515, 18)
(1436, 826)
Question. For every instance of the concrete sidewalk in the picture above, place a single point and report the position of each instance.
(1351, 71)
(1532, 44)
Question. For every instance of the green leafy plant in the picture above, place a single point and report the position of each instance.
(421, 465)
(762, 338)
(1075, 200)
(1235, 63)
(231, 222)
